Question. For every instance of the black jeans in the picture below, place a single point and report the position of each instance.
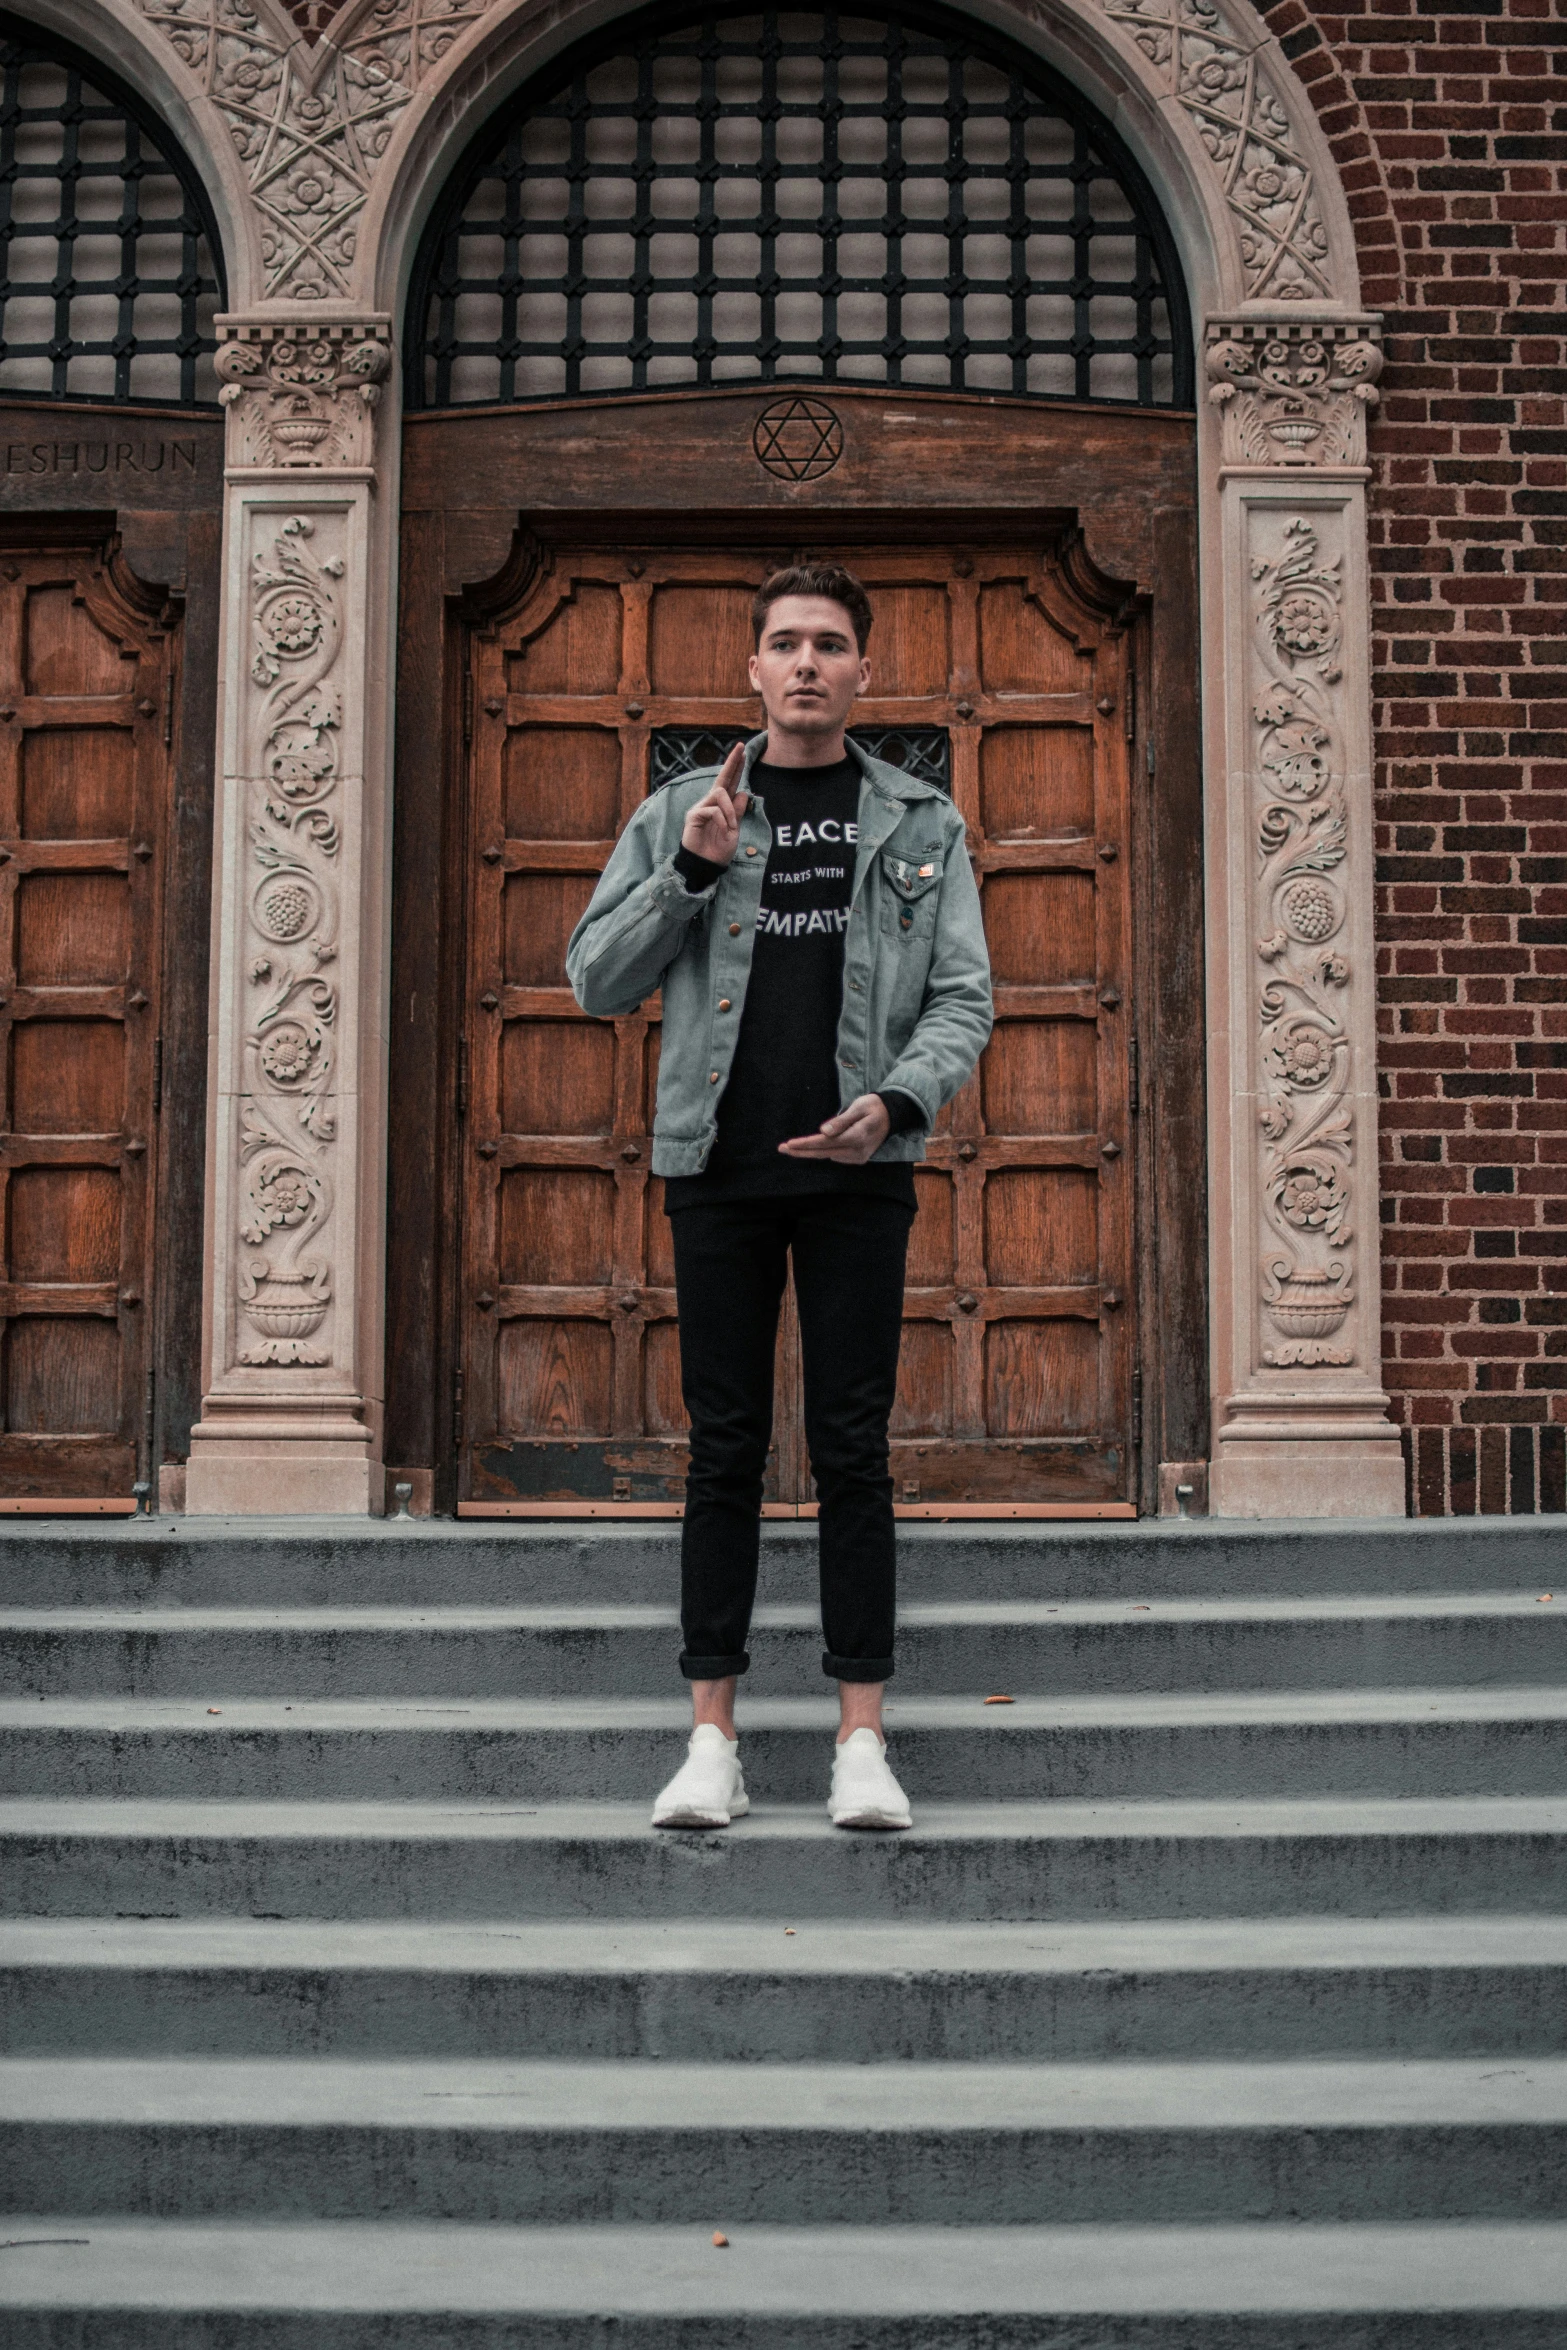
(730, 1262)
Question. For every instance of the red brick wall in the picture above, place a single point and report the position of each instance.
(1450, 126)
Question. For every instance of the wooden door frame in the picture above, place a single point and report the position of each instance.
(164, 559)
(462, 567)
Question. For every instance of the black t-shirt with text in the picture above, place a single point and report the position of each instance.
(784, 1079)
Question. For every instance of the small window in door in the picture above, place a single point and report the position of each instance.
(923, 751)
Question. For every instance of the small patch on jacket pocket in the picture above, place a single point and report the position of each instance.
(909, 879)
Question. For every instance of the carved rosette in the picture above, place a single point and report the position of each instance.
(287, 1117)
(301, 396)
(1303, 1042)
(1209, 65)
(1292, 394)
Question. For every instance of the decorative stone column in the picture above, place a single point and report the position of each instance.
(295, 1240)
(1301, 1426)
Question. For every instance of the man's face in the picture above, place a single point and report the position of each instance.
(808, 668)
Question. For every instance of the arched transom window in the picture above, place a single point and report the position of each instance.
(779, 194)
(109, 276)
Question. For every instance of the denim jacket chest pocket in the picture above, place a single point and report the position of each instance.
(909, 887)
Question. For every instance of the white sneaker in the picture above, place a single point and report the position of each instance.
(864, 1792)
(708, 1790)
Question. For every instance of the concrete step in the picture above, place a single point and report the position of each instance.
(304, 1562)
(119, 2284)
(1068, 1647)
(947, 1749)
(792, 2145)
(832, 1991)
(1063, 1860)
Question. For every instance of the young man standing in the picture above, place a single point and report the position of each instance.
(812, 919)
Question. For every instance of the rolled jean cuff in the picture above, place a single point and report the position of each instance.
(714, 1668)
(857, 1668)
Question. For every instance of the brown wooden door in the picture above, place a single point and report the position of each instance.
(86, 704)
(991, 666)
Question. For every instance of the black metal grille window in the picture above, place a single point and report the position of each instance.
(924, 751)
(800, 195)
(108, 272)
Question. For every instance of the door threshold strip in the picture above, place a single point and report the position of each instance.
(67, 1506)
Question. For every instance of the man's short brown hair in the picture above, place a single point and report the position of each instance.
(814, 579)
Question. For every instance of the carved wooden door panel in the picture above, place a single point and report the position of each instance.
(571, 1372)
(86, 702)
(1015, 1378)
(993, 673)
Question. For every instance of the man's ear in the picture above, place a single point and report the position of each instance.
(754, 674)
(865, 675)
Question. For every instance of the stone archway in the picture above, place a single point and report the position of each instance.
(345, 131)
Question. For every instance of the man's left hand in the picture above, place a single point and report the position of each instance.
(850, 1138)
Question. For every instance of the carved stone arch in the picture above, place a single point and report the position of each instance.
(1199, 89)
(373, 109)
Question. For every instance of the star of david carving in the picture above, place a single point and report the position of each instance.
(798, 439)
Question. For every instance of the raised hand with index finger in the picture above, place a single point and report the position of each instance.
(712, 826)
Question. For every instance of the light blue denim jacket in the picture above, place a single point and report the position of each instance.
(916, 976)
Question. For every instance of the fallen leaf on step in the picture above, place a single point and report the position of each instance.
(788, 1929)
(214, 1709)
(721, 2240)
(1001, 1701)
(1547, 1595)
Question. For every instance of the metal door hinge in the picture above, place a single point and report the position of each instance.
(457, 1430)
(462, 1077)
(1149, 755)
(467, 708)
(157, 1075)
(1131, 701)
(168, 707)
(1133, 1082)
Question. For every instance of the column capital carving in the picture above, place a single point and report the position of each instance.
(302, 393)
(1293, 393)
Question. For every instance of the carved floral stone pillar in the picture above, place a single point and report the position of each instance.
(1300, 1418)
(295, 1237)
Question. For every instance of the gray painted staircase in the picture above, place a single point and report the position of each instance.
(1218, 2000)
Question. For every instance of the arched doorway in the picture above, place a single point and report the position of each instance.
(110, 502)
(702, 296)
